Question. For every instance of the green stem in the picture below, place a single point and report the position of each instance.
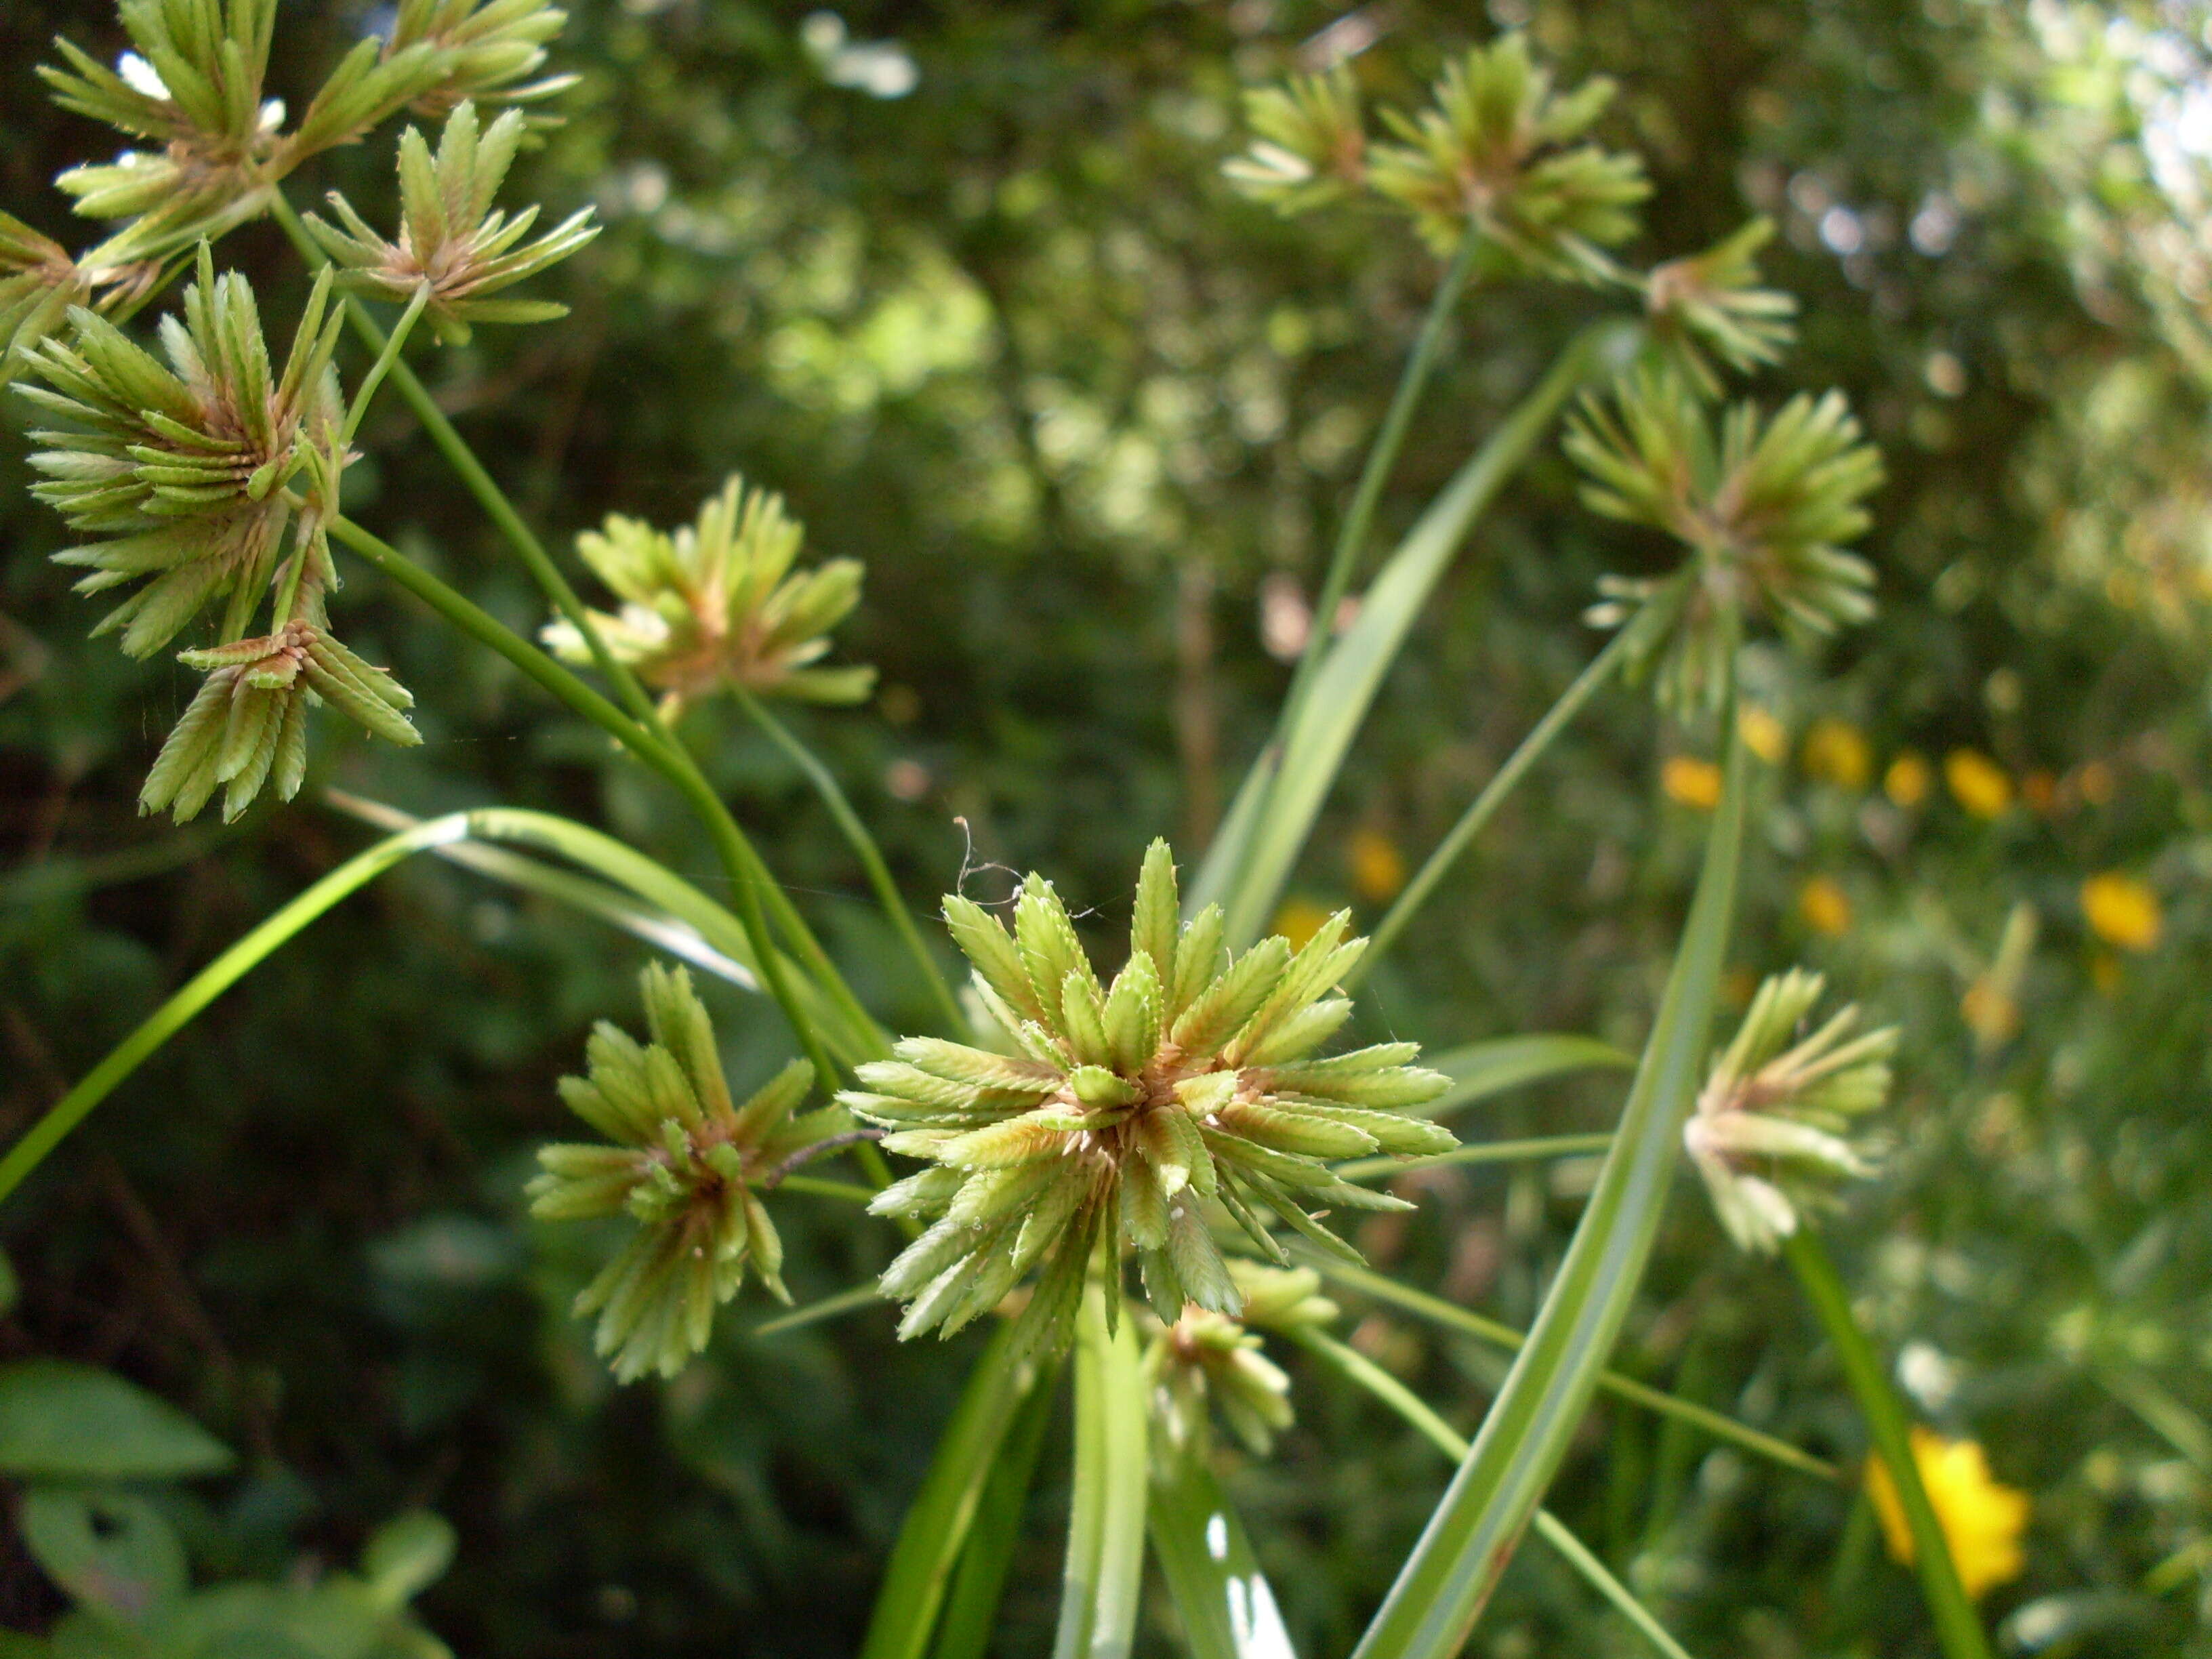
(1958, 1628)
(871, 856)
(1106, 1519)
(210, 983)
(1381, 460)
(1356, 1367)
(388, 355)
(746, 875)
(1478, 816)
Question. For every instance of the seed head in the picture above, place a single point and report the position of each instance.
(39, 283)
(1311, 147)
(1711, 303)
(687, 1165)
(1498, 151)
(1770, 1134)
(486, 49)
(1764, 504)
(247, 726)
(451, 240)
(1209, 1358)
(716, 603)
(176, 472)
(1126, 1113)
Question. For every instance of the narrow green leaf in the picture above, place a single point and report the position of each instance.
(1227, 1609)
(1350, 677)
(936, 1527)
(1441, 1591)
(1106, 1520)
(1495, 1152)
(60, 1421)
(1483, 1069)
(971, 1608)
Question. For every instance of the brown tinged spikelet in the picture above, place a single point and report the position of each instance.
(687, 1164)
(451, 240)
(1207, 1359)
(1710, 304)
(1129, 1113)
(39, 283)
(717, 603)
(175, 473)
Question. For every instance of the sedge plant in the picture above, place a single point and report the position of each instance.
(1134, 1179)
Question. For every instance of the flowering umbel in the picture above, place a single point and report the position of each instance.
(1126, 1109)
(1311, 149)
(687, 1164)
(39, 283)
(1497, 152)
(1211, 1358)
(1765, 504)
(453, 242)
(1771, 1129)
(1712, 303)
(488, 48)
(717, 603)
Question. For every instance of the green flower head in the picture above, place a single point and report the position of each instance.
(1710, 304)
(485, 49)
(718, 605)
(174, 473)
(247, 726)
(1765, 504)
(39, 283)
(453, 241)
(1311, 145)
(1127, 1114)
(1770, 1134)
(687, 1165)
(1211, 1359)
(1497, 152)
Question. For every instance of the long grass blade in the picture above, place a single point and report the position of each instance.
(1358, 1368)
(1495, 1152)
(1227, 1609)
(972, 1609)
(1345, 684)
(936, 1527)
(1441, 1591)
(1483, 1069)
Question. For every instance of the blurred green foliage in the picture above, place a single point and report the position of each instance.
(964, 284)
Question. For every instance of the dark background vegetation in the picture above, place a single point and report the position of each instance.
(1009, 339)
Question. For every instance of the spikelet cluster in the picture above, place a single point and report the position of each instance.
(1771, 1132)
(1206, 1360)
(39, 283)
(247, 725)
(687, 1164)
(1499, 149)
(1711, 305)
(717, 603)
(451, 240)
(487, 49)
(1130, 1113)
(1311, 149)
(174, 473)
(1765, 503)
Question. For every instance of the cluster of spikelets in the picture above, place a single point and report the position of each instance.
(453, 248)
(687, 1164)
(1499, 152)
(175, 473)
(1130, 1113)
(1772, 1128)
(192, 87)
(1213, 1360)
(717, 605)
(1765, 503)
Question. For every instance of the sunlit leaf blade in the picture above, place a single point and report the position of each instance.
(1228, 1612)
(1352, 673)
(1443, 1586)
(971, 1607)
(66, 1422)
(937, 1526)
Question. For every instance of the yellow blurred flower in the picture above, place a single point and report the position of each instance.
(2122, 911)
(1691, 781)
(1299, 919)
(1906, 781)
(1763, 734)
(1977, 783)
(1378, 868)
(1837, 752)
(1824, 907)
(1991, 1005)
(1989, 1013)
(1982, 1517)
